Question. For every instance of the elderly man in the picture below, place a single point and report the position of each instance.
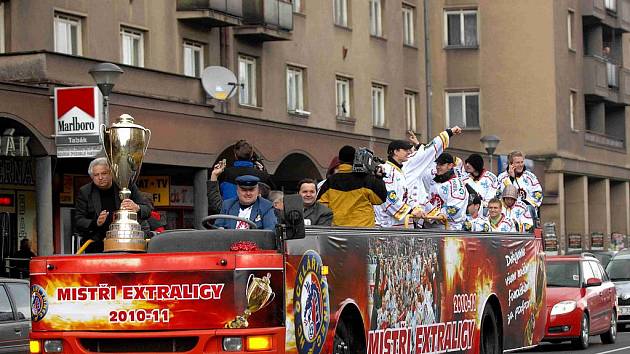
(315, 213)
(97, 202)
(249, 205)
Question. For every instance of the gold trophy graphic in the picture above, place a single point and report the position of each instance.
(125, 144)
(259, 294)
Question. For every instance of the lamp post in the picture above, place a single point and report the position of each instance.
(105, 76)
(490, 143)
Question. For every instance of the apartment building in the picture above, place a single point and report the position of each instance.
(549, 78)
(314, 75)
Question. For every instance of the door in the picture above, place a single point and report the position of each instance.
(20, 297)
(596, 297)
(11, 334)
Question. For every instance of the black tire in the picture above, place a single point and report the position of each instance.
(582, 341)
(611, 336)
(490, 341)
(343, 343)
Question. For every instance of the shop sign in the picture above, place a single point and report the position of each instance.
(11, 145)
(182, 196)
(575, 241)
(597, 241)
(78, 112)
(17, 171)
(158, 186)
(26, 216)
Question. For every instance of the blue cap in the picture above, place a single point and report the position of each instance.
(247, 181)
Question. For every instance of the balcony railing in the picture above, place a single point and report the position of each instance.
(604, 140)
(229, 7)
(276, 13)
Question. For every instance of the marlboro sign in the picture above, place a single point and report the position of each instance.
(78, 112)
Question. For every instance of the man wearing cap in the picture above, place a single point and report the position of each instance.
(448, 198)
(421, 162)
(249, 205)
(351, 195)
(498, 221)
(529, 189)
(483, 182)
(516, 210)
(475, 222)
(398, 205)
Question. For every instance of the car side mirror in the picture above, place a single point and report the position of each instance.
(293, 216)
(593, 282)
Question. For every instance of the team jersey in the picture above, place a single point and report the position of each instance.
(503, 225)
(449, 198)
(478, 224)
(419, 163)
(519, 213)
(486, 185)
(529, 189)
(393, 211)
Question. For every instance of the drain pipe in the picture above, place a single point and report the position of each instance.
(427, 69)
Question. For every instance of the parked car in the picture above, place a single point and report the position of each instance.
(15, 315)
(619, 272)
(581, 301)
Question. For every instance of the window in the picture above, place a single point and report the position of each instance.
(6, 311)
(295, 89)
(247, 78)
(462, 109)
(410, 110)
(132, 47)
(461, 28)
(193, 58)
(611, 5)
(570, 31)
(21, 294)
(297, 6)
(378, 106)
(67, 34)
(2, 48)
(409, 37)
(587, 271)
(572, 108)
(376, 26)
(340, 12)
(343, 96)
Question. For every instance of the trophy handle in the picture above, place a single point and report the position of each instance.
(249, 280)
(273, 296)
(148, 132)
(103, 134)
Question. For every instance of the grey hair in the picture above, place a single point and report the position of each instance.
(99, 161)
(275, 195)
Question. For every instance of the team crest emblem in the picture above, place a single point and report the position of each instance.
(39, 303)
(311, 304)
(391, 196)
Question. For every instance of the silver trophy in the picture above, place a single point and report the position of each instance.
(125, 144)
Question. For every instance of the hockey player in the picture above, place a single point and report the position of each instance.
(529, 189)
(475, 222)
(516, 210)
(448, 198)
(398, 205)
(482, 181)
(498, 221)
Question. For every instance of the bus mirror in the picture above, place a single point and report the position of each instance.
(293, 215)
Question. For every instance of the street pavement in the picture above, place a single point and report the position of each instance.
(621, 346)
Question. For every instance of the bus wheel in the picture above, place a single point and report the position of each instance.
(489, 340)
(343, 340)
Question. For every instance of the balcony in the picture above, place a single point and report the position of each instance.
(266, 20)
(595, 76)
(603, 140)
(210, 13)
(613, 13)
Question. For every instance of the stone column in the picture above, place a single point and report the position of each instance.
(576, 205)
(599, 206)
(201, 196)
(43, 184)
(620, 207)
(553, 208)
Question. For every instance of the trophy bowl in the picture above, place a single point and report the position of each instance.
(125, 143)
(259, 294)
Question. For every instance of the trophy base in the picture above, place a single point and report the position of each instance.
(125, 234)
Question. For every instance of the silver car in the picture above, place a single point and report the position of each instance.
(15, 315)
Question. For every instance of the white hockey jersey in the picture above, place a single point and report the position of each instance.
(486, 185)
(502, 225)
(393, 211)
(519, 213)
(478, 224)
(449, 198)
(529, 189)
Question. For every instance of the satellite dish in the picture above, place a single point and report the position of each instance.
(219, 82)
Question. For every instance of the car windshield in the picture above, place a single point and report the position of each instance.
(619, 269)
(563, 274)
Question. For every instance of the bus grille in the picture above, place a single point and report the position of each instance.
(139, 345)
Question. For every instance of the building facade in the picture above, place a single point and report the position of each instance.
(314, 76)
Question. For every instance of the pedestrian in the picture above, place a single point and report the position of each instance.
(315, 213)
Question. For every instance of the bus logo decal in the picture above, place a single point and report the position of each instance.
(39, 303)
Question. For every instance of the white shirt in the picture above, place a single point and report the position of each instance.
(244, 213)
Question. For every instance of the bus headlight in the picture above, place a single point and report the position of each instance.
(232, 344)
(53, 346)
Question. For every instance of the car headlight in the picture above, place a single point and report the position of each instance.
(624, 296)
(563, 307)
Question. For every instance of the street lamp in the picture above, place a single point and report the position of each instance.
(490, 143)
(105, 75)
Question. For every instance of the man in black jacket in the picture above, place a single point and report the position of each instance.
(315, 212)
(97, 201)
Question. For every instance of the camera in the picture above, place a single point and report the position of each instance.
(366, 162)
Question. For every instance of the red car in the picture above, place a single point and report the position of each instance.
(581, 301)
